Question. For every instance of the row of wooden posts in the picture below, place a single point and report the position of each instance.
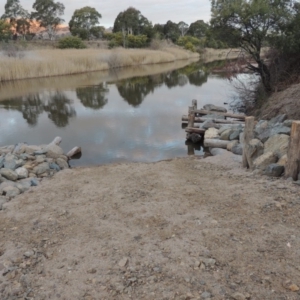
(195, 115)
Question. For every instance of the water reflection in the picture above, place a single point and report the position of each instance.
(57, 105)
(133, 118)
(93, 96)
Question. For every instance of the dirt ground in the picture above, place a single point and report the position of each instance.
(180, 229)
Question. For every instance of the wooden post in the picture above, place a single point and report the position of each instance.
(292, 168)
(248, 136)
(194, 104)
(191, 118)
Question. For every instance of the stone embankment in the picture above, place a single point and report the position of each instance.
(23, 166)
(268, 148)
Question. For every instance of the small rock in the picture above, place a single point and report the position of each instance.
(231, 145)
(209, 262)
(205, 295)
(274, 170)
(226, 134)
(277, 144)
(28, 254)
(294, 288)
(22, 173)
(283, 160)
(40, 159)
(54, 166)
(41, 168)
(92, 271)
(288, 123)
(264, 160)
(123, 262)
(237, 149)
(238, 296)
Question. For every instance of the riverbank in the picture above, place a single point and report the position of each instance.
(54, 62)
(180, 229)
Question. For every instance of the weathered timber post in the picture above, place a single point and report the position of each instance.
(194, 104)
(191, 149)
(191, 118)
(293, 156)
(248, 136)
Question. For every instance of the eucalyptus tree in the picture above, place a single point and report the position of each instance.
(252, 22)
(183, 27)
(48, 13)
(84, 23)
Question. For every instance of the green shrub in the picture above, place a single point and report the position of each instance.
(137, 41)
(189, 46)
(71, 42)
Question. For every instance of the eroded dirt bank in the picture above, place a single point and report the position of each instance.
(180, 229)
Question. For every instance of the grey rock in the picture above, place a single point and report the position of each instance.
(217, 151)
(62, 163)
(20, 163)
(11, 191)
(207, 124)
(5, 184)
(40, 152)
(237, 149)
(28, 253)
(10, 161)
(54, 166)
(205, 295)
(20, 148)
(41, 168)
(1, 161)
(274, 170)
(24, 186)
(288, 123)
(9, 174)
(226, 134)
(277, 144)
(209, 262)
(3, 200)
(255, 148)
(34, 181)
(54, 148)
(270, 131)
(212, 107)
(40, 159)
(264, 160)
(64, 157)
(260, 127)
(235, 135)
(2, 179)
(22, 173)
(278, 119)
(232, 144)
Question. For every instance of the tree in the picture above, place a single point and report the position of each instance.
(5, 30)
(84, 23)
(132, 22)
(48, 14)
(183, 27)
(18, 17)
(198, 29)
(171, 31)
(252, 21)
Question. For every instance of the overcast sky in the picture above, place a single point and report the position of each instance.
(157, 11)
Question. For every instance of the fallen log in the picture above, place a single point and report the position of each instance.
(195, 130)
(56, 141)
(220, 121)
(73, 152)
(213, 143)
(203, 112)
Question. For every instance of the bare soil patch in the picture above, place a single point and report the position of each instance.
(179, 229)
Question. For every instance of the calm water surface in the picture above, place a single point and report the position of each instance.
(124, 115)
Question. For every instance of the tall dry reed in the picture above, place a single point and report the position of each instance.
(45, 63)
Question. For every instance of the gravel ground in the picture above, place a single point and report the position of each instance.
(181, 229)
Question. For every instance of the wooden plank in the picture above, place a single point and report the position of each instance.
(229, 115)
(195, 130)
(292, 167)
(248, 136)
(220, 121)
(214, 143)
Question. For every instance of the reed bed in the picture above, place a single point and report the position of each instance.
(54, 62)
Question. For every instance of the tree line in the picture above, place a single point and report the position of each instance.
(131, 28)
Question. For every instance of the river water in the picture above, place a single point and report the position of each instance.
(132, 114)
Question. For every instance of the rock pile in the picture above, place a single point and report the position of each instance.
(268, 149)
(23, 166)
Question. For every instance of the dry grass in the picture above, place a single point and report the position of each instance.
(18, 88)
(54, 62)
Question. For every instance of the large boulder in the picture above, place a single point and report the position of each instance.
(11, 191)
(277, 144)
(212, 107)
(278, 119)
(208, 124)
(237, 149)
(283, 160)
(211, 133)
(9, 174)
(10, 161)
(270, 131)
(264, 160)
(260, 127)
(226, 134)
(62, 163)
(54, 148)
(231, 145)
